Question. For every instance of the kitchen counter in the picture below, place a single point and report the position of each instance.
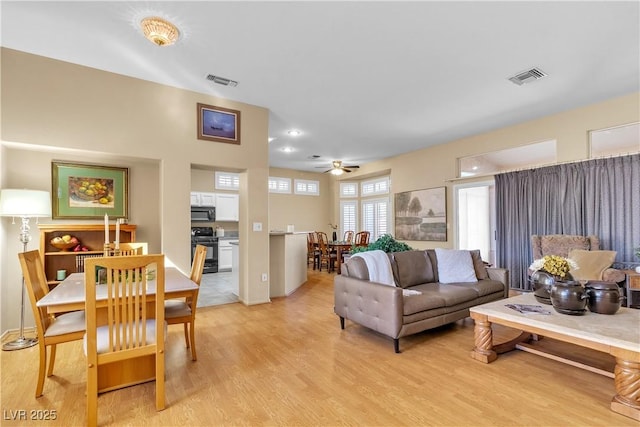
(287, 262)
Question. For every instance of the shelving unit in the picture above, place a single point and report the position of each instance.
(89, 235)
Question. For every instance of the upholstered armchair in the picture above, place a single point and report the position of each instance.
(563, 244)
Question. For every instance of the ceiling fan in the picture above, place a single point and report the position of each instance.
(338, 169)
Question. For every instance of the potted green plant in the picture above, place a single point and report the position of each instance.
(637, 251)
(385, 243)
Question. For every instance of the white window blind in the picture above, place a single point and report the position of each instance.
(375, 186)
(375, 217)
(348, 216)
(307, 187)
(348, 189)
(227, 181)
(279, 185)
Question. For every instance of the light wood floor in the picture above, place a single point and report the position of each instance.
(288, 363)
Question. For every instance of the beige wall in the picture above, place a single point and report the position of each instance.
(95, 115)
(306, 213)
(437, 166)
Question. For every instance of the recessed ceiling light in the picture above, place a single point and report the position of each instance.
(294, 132)
(271, 138)
(287, 149)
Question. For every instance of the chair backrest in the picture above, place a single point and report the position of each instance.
(348, 236)
(323, 245)
(322, 237)
(561, 244)
(312, 237)
(197, 266)
(36, 284)
(134, 248)
(129, 329)
(362, 238)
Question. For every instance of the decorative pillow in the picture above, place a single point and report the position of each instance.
(591, 264)
(455, 266)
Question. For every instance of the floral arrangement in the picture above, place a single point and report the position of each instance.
(637, 252)
(555, 265)
(335, 227)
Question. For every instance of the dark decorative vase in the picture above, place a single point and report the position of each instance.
(604, 297)
(335, 236)
(569, 297)
(541, 282)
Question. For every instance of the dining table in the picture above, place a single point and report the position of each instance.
(339, 247)
(69, 295)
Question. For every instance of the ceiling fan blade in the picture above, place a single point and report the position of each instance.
(352, 167)
(346, 170)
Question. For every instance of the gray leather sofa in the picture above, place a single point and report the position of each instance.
(418, 301)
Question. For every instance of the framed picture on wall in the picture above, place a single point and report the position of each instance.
(421, 215)
(218, 124)
(85, 191)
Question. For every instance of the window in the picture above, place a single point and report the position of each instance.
(279, 185)
(227, 181)
(375, 186)
(348, 215)
(348, 189)
(525, 156)
(306, 187)
(375, 217)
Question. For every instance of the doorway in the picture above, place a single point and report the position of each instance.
(475, 218)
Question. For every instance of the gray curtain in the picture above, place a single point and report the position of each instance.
(599, 197)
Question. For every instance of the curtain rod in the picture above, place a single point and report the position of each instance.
(491, 175)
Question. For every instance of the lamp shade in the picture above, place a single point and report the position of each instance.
(25, 203)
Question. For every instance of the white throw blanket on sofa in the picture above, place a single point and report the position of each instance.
(378, 265)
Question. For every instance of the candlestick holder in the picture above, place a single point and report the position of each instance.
(106, 249)
(116, 252)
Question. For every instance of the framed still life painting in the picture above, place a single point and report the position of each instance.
(84, 191)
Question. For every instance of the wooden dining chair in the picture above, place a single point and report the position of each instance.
(327, 256)
(348, 237)
(131, 317)
(362, 238)
(134, 248)
(313, 253)
(51, 330)
(177, 311)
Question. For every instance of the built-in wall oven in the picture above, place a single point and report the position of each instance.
(205, 236)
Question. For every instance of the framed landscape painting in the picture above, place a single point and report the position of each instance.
(218, 124)
(421, 215)
(84, 191)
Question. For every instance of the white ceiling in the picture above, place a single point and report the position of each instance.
(361, 80)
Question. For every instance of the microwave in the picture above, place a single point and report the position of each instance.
(203, 214)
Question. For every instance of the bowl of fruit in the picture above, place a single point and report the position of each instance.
(64, 243)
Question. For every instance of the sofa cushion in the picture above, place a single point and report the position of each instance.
(357, 268)
(455, 266)
(436, 295)
(478, 265)
(591, 264)
(482, 287)
(411, 268)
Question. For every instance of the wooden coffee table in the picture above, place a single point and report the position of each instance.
(617, 335)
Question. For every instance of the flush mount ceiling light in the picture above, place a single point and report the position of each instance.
(159, 31)
(222, 80)
(294, 132)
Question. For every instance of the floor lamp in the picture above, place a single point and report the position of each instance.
(24, 204)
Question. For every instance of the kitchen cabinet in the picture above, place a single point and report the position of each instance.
(203, 199)
(225, 254)
(89, 235)
(227, 207)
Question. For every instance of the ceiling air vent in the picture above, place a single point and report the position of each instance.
(222, 81)
(528, 76)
